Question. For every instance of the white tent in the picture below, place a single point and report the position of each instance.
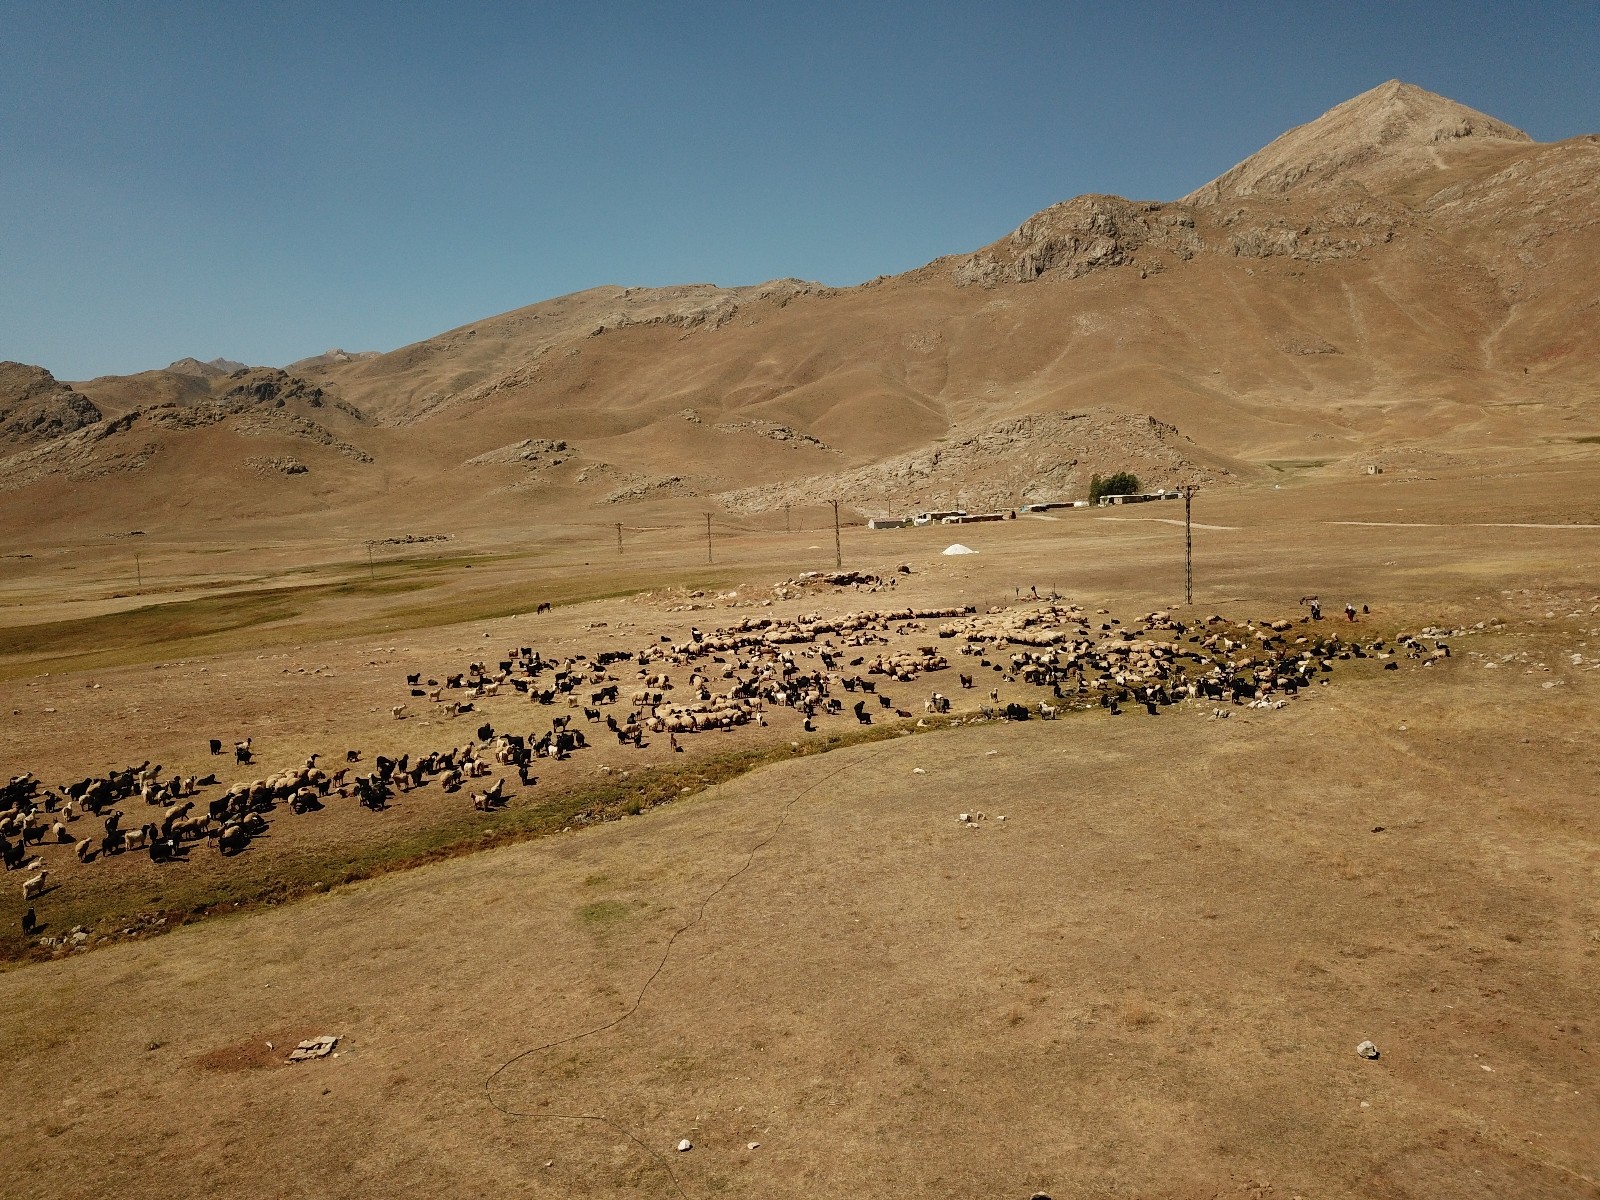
(958, 548)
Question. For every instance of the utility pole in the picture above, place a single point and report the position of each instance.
(708, 539)
(838, 552)
(619, 537)
(1188, 544)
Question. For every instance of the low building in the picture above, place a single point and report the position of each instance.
(1141, 497)
(978, 518)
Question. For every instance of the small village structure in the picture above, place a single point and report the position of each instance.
(1141, 497)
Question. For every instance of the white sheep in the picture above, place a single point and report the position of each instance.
(399, 711)
(34, 885)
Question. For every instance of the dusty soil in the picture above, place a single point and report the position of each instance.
(1149, 979)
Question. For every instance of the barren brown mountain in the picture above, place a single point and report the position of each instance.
(1398, 281)
(481, 705)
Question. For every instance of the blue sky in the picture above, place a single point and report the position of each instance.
(265, 181)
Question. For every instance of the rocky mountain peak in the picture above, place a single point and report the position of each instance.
(1388, 133)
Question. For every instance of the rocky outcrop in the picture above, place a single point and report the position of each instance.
(531, 452)
(280, 464)
(1039, 457)
(269, 385)
(768, 429)
(35, 407)
(1075, 237)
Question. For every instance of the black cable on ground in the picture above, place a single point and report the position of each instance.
(666, 953)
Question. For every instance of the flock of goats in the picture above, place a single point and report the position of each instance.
(733, 676)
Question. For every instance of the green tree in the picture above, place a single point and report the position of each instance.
(1123, 483)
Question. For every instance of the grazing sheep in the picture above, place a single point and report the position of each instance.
(241, 752)
(216, 745)
(489, 800)
(1049, 711)
(34, 885)
(85, 850)
(30, 923)
(232, 840)
(398, 711)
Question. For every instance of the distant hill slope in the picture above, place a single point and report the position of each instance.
(330, 358)
(1402, 275)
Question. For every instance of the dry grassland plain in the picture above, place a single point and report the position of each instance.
(1148, 980)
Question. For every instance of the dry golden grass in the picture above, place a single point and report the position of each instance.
(1148, 980)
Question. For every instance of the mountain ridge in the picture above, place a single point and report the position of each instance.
(1401, 273)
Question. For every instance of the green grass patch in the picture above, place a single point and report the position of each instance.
(205, 625)
(1297, 464)
(153, 623)
(262, 617)
(245, 882)
(604, 912)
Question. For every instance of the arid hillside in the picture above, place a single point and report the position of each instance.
(1401, 281)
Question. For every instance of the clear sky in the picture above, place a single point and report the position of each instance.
(263, 181)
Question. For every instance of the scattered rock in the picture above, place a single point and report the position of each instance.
(685, 1145)
(1367, 1050)
(317, 1047)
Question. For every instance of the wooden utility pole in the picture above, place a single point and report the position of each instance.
(1188, 544)
(619, 537)
(708, 539)
(838, 551)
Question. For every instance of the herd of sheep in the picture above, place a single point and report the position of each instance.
(725, 678)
